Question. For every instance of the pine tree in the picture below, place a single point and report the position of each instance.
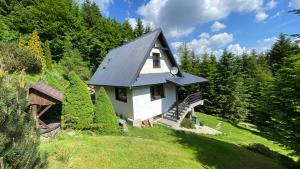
(91, 14)
(105, 116)
(226, 85)
(48, 55)
(35, 45)
(139, 28)
(281, 49)
(77, 112)
(281, 106)
(19, 143)
(186, 63)
(128, 31)
(208, 70)
(148, 28)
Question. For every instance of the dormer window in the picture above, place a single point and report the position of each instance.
(156, 60)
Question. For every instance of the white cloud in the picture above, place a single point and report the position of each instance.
(261, 16)
(207, 42)
(237, 49)
(271, 4)
(217, 26)
(181, 32)
(102, 4)
(132, 22)
(266, 43)
(295, 4)
(168, 13)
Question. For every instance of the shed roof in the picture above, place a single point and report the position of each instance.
(48, 90)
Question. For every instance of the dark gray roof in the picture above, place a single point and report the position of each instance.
(159, 78)
(122, 65)
(187, 79)
(152, 78)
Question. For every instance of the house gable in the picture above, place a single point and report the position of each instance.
(164, 62)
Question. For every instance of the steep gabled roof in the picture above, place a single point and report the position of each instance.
(123, 64)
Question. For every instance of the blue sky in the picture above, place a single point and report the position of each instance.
(211, 25)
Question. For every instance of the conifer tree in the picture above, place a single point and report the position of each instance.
(148, 28)
(77, 112)
(139, 28)
(128, 31)
(226, 84)
(186, 63)
(35, 45)
(105, 116)
(19, 143)
(281, 105)
(91, 14)
(48, 55)
(208, 70)
(281, 49)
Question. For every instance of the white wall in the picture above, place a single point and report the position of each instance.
(144, 108)
(125, 109)
(165, 65)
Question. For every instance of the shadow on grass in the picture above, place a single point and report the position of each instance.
(222, 155)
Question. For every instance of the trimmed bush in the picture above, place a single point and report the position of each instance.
(78, 108)
(105, 117)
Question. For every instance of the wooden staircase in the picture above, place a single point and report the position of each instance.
(178, 111)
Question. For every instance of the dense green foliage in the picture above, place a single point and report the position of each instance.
(78, 108)
(72, 61)
(19, 137)
(105, 117)
(259, 88)
(16, 59)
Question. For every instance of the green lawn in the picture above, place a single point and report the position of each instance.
(161, 147)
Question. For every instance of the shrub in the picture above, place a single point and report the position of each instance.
(187, 123)
(105, 117)
(19, 137)
(16, 59)
(78, 108)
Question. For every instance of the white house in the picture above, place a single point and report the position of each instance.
(142, 78)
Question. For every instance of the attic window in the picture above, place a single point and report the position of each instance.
(121, 94)
(156, 60)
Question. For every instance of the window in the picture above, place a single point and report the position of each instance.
(156, 60)
(121, 94)
(157, 92)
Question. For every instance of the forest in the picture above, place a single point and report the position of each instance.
(67, 44)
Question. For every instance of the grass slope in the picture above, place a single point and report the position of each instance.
(159, 147)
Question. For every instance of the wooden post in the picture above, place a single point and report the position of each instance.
(177, 111)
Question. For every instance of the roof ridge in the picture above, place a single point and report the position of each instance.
(155, 30)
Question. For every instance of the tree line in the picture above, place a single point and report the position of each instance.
(260, 88)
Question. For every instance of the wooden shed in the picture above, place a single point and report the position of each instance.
(41, 98)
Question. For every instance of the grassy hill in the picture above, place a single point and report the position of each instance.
(162, 147)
